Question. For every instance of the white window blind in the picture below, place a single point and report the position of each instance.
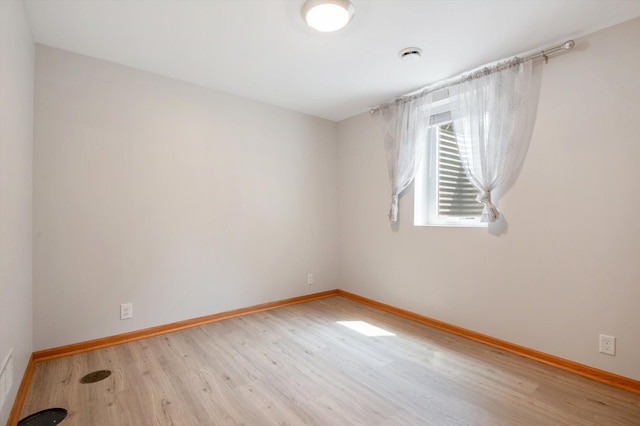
(444, 196)
(456, 195)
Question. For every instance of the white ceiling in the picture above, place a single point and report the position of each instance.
(261, 49)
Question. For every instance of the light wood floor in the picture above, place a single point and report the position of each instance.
(296, 365)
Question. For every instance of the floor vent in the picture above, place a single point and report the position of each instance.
(50, 416)
(96, 376)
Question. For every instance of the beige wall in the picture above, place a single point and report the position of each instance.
(568, 267)
(16, 143)
(186, 202)
(179, 199)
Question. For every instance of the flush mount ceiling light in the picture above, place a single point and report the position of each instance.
(327, 15)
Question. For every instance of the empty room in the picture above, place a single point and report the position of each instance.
(322, 212)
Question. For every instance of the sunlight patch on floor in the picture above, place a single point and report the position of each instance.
(365, 328)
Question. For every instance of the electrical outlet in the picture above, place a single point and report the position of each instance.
(6, 378)
(126, 311)
(3, 389)
(310, 279)
(8, 371)
(607, 344)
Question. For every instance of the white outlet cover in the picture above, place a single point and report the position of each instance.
(3, 394)
(6, 377)
(126, 311)
(607, 344)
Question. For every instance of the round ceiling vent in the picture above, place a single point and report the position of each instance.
(410, 54)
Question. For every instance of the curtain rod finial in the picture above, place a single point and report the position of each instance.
(568, 45)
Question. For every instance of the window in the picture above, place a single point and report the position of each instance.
(443, 194)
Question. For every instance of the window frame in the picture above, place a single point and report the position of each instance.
(426, 179)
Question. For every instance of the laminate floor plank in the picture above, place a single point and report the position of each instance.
(299, 364)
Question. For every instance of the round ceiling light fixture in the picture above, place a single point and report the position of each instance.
(327, 15)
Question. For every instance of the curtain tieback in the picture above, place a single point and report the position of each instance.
(484, 197)
(491, 212)
(393, 211)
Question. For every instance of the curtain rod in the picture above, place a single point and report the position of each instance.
(567, 45)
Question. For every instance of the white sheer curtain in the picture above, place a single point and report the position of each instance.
(493, 112)
(406, 123)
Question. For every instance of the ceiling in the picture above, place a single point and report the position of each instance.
(262, 50)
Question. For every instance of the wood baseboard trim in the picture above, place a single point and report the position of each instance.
(90, 345)
(62, 351)
(104, 342)
(16, 408)
(564, 364)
